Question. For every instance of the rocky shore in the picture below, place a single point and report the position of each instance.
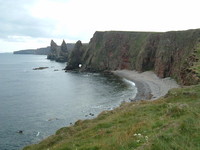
(149, 85)
(170, 54)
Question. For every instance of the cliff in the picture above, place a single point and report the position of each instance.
(60, 53)
(75, 57)
(167, 54)
(39, 51)
(171, 122)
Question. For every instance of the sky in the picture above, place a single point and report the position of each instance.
(27, 24)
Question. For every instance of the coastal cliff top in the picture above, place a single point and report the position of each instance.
(167, 123)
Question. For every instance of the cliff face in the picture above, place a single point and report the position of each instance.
(75, 57)
(113, 50)
(171, 54)
(167, 54)
(59, 53)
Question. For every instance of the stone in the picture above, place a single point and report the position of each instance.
(40, 68)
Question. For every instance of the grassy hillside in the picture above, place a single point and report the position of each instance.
(172, 122)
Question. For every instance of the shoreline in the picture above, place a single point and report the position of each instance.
(149, 85)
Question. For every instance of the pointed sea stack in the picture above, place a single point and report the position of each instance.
(75, 58)
(53, 51)
(64, 47)
(63, 53)
(59, 53)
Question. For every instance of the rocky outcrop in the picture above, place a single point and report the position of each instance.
(167, 54)
(54, 51)
(63, 53)
(60, 53)
(64, 47)
(75, 58)
(40, 68)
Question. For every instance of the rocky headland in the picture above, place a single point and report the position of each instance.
(171, 54)
(158, 59)
(60, 53)
(75, 59)
(38, 51)
(168, 54)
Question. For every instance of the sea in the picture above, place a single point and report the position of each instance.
(36, 103)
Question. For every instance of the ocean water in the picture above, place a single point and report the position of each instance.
(39, 102)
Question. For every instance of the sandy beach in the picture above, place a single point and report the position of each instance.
(149, 85)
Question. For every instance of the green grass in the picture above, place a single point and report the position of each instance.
(196, 66)
(172, 122)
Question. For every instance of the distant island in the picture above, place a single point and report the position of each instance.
(38, 51)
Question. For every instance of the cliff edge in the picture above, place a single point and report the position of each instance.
(170, 122)
(171, 54)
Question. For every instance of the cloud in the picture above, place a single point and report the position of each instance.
(17, 21)
(79, 19)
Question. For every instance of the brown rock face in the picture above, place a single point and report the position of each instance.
(173, 52)
(113, 50)
(147, 56)
(168, 54)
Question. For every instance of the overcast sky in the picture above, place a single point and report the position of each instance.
(26, 24)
